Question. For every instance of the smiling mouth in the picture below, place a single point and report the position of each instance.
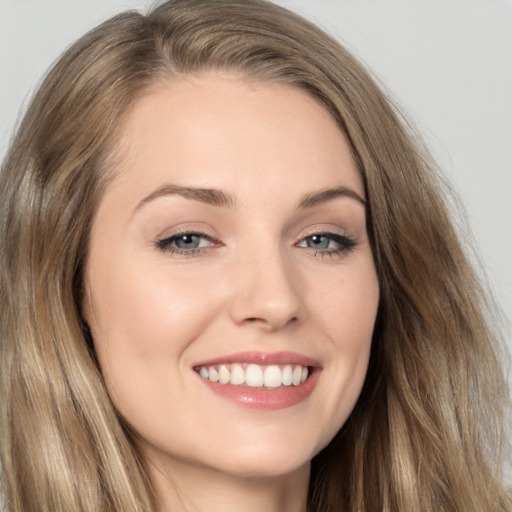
(256, 376)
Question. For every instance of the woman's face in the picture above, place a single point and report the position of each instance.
(230, 286)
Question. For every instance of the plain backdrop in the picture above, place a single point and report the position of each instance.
(448, 63)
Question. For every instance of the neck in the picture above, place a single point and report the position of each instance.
(206, 490)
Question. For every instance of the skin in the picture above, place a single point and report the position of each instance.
(257, 282)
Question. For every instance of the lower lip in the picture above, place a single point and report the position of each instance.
(265, 399)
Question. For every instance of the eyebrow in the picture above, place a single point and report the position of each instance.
(210, 196)
(216, 197)
(316, 198)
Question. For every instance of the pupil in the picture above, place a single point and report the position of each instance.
(319, 242)
(187, 241)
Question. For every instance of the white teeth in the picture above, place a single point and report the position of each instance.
(297, 375)
(287, 375)
(255, 376)
(237, 375)
(272, 376)
(224, 375)
(213, 374)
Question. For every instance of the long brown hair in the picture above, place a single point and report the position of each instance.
(427, 430)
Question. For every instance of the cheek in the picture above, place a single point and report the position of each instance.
(147, 304)
(346, 305)
(143, 319)
(353, 311)
(345, 313)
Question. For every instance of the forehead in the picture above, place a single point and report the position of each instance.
(216, 127)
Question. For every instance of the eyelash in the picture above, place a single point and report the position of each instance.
(165, 244)
(345, 244)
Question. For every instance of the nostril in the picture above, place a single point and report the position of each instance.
(269, 323)
(255, 320)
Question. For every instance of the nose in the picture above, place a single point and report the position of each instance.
(266, 292)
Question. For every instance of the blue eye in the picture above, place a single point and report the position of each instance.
(187, 241)
(184, 243)
(328, 243)
(320, 242)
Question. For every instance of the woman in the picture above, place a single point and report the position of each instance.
(229, 282)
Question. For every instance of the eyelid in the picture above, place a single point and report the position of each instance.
(187, 229)
(163, 242)
(337, 237)
(325, 229)
(179, 235)
(346, 242)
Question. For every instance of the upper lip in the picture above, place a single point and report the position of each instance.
(262, 358)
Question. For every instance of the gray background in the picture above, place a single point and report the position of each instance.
(447, 62)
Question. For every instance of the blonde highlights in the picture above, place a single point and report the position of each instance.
(425, 433)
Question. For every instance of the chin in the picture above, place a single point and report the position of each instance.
(265, 469)
(264, 462)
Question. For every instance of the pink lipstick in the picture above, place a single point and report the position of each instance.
(265, 381)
